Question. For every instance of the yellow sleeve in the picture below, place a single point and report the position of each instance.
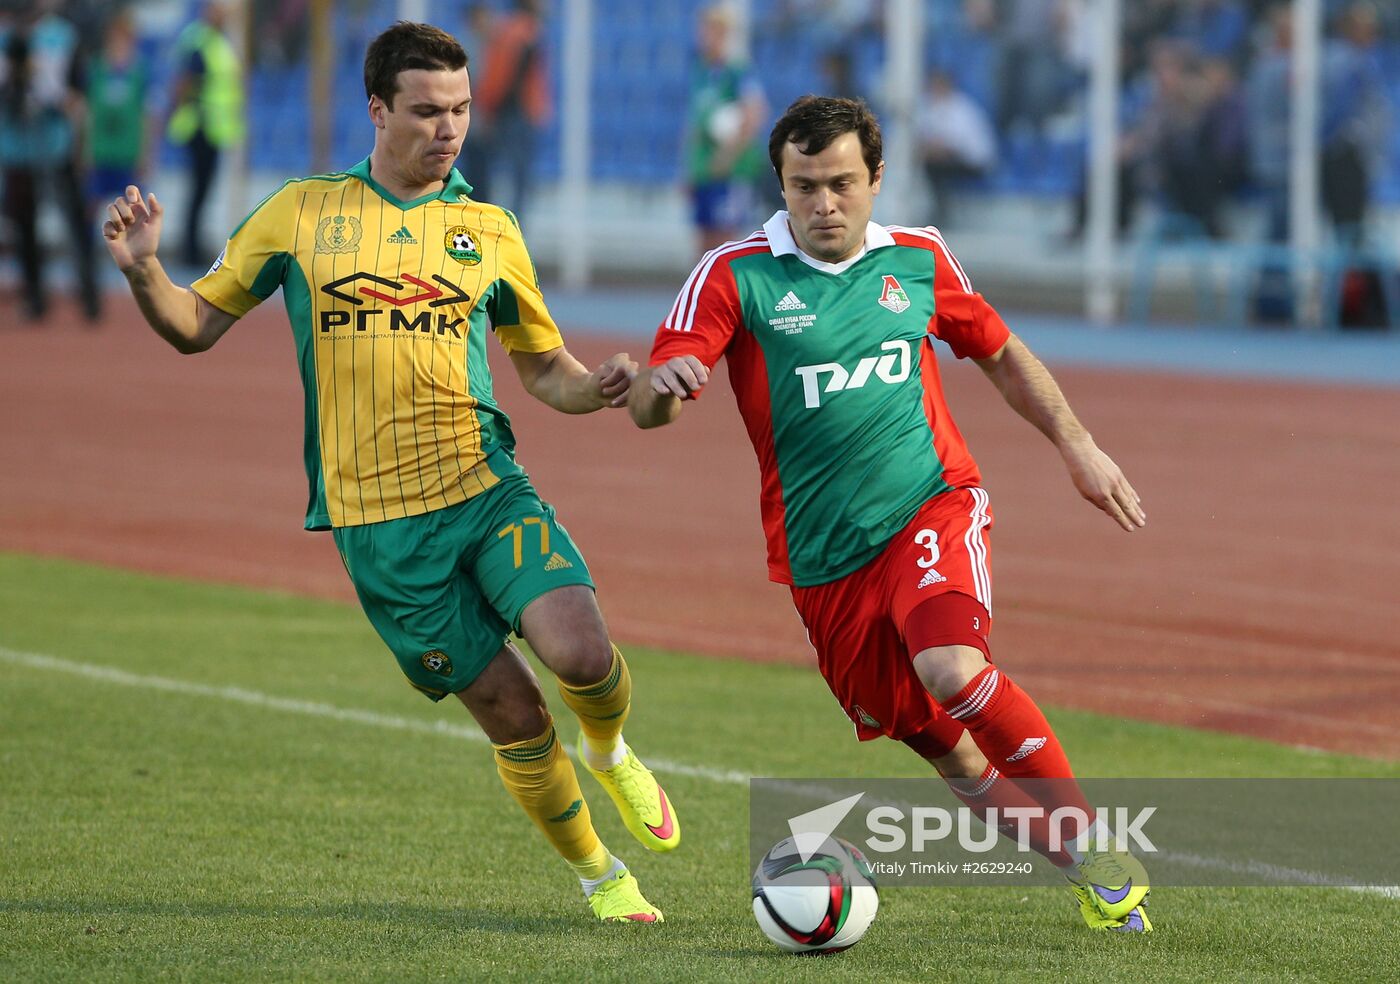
(517, 309)
(253, 262)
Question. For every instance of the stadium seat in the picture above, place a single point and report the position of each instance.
(1181, 237)
(1367, 260)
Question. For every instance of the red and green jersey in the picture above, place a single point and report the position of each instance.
(834, 372)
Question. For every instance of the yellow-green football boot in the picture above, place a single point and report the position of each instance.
(619, 900)
(1135, 922)
(639, 798)
(1111, 883)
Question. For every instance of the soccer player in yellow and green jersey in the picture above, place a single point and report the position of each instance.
(393, 276)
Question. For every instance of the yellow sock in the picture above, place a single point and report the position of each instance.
(538, 774)
(602, 707)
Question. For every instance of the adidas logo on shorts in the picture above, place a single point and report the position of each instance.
(556, 563)
(790, 302)
(932, 577)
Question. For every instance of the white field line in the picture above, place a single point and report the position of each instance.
(311, 708)
(374, 719)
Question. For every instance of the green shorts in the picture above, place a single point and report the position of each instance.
(446, 588)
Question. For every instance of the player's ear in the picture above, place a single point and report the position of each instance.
(377, 111)
(875, 181)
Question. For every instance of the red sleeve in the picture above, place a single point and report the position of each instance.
(964, 319)
(704, 317)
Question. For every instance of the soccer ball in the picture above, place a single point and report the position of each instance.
(463, 242)
(821, 905)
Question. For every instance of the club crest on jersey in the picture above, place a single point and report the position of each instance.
(461, 246)
(893, 298)
(860, 714)
(338, 234)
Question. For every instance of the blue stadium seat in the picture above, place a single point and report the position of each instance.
(1173, 235)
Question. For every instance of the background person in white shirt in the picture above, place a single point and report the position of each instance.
(956, 143)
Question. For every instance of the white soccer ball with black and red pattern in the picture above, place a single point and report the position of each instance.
(822, 904)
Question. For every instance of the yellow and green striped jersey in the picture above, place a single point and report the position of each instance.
(390, 303)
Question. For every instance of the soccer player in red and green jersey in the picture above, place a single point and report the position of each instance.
(872, 505)
(394, 278)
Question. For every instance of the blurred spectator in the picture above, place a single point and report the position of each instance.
(284, 31)
(726, 110)
(1213, 28)
(117, 86)
(1036, 75)
(1355, 119)
(1193, 138)
(839, 74)
(1145, 22)
(208, 116)
(1138, 97)
(474, 34)
(1224, 130)
(956, 142)
(510, 103)
(840, 30)
(1269, 95)
(41, 120)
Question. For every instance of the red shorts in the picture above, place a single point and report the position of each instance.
(868, 626)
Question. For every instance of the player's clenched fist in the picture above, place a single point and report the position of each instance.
(681, 376)
(132, 229)
(614, 378)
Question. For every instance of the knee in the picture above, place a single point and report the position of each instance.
(945, 670)
(516, 720)
(509, 714)
(583, 660)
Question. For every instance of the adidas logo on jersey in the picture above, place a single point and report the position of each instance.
(932, 577)
(402, 238)
(790, 302)
(556, 563)
(1028, 748)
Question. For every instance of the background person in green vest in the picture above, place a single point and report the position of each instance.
(208, 116)
(118, 83)
(723, 160)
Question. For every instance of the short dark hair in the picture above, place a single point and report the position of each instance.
(408, 45)
(813, 122)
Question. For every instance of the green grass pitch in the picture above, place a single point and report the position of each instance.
(201, 783)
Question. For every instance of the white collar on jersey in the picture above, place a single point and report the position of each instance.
(780, 241)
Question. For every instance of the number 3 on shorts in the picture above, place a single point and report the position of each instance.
(928, 539)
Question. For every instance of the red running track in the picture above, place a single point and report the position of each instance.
(1261, 599)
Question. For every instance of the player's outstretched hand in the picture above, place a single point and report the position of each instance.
(132, 229)
(1099, 479)
(614, 378)
(681, 376)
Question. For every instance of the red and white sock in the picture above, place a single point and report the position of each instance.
(1012, 732)
(995, 791)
